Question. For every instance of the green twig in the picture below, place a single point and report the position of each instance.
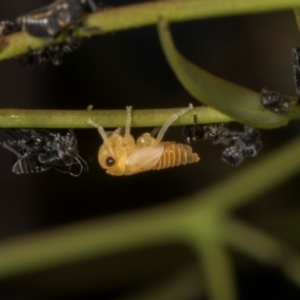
(22, 118)
(138, 15)
(218, 271)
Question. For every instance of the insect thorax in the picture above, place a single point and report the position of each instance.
(145, 140)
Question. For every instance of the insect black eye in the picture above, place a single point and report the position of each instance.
(110, 161)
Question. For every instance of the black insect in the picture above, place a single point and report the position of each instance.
(198, 132)
(275, 101)
(40, 150)
(39, 58)
(296, 67)
(51, 20)
(242, 145)
(51, 53)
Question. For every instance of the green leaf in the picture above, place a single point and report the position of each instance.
(240, 103)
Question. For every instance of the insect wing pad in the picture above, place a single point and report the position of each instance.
(143, 159)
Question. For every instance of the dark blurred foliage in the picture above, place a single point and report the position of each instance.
(129, 68)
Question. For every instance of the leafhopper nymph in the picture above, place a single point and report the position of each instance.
(120, 154)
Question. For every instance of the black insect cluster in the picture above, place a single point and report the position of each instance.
(40, 150)
(61, 16)
(240, 144)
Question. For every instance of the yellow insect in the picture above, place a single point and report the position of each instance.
(122, 155)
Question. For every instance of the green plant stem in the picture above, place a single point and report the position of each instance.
(22, 118)
(138, 15)
(218, 271)
(87, 240)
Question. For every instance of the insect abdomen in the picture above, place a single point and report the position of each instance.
(28, 165)
(175, 155)
(35, 26)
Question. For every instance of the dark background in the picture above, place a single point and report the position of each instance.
(129, 68)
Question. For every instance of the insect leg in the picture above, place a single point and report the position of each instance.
(12, 150)
(72, 43)
(155, 131)
(83, 166)
(90, 5)
(170, 121)
(100, 129)
(55, 55)
(30, 133)
(38, 58)
(128, 120)
(195, 128)
(9, 133)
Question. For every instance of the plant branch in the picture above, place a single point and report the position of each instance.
(138, 15)
(218, 271)
(22, 118)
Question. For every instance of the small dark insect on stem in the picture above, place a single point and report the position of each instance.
(51, 20)
(275, 101)
(198, 132)
(240, 144)
(52, 53)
